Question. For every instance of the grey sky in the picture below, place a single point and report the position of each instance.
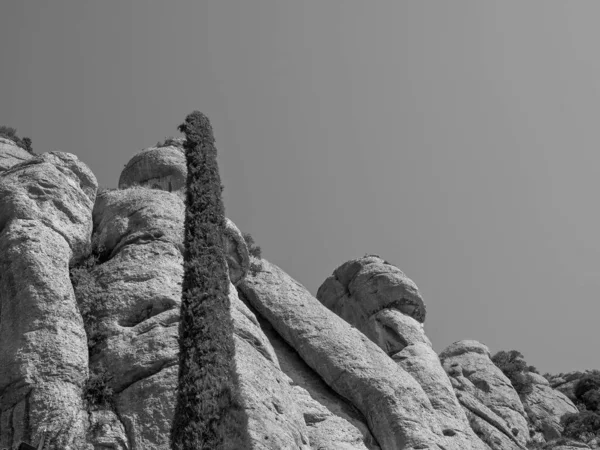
(458, 140)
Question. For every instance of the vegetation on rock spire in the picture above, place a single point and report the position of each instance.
(208, 412)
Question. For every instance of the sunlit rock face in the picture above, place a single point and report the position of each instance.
(492, 404)
(162, 168)
(544, 407)
(382, 302)
(378, 299)
(140, 234)
(11, 154)
(45, 221)
(395, 407)
(236, 252)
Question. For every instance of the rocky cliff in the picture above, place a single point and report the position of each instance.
(90, 287)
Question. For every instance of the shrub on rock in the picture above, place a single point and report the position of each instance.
(515, 368)
(587, 391)
(582, 426)
(11, 133)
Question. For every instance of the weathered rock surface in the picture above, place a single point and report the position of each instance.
(545, 406)
(363, 291)
(141, 231)
(11, 154)
(424, 365)
(565, 444)
(482, 388)
(396, 409)
(161, 168)
(401, 336)
(358, 373)
(274, 418)
(106, 430)
(567, 382)
(332, 422)
(45, 221)
(236, 251)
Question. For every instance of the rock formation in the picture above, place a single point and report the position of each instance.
(545, 406)
(95, 362)
(161, 168)
(384, 304)
(11, 154)
(45, 220)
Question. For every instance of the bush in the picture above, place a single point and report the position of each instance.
(515, 368)
(253, 249)
(96, 391)
(87, 292)
(587, 391)
(208, 411)
(583, 425)
(11, 133)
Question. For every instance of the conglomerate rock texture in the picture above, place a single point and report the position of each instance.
(395, 406)
(377, 286)
(545, 406)
(11, 154)
(492, 404)
(45, 221)
(351, 369)
(161, 168)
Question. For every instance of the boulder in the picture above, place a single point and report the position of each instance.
(45, 223)
(11, 154)
(136, 295)
(331, 421)
(236, 251)
(106, 430)
(364, 291)
(545, 406)
(423, 364)
(162, 168)
(399, 334)
(398, 412)
(141, 232)
(482, 387)
(275, 420)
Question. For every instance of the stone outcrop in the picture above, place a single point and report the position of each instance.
(236, 251)
(486, 393)
(381, 287)
(139, 232)
(331, 422)
(11, 154)
(349, 370)
(162, 168)
(364, 291)
(398, 412)
(567, 382)
(545, 406)
(45, 221)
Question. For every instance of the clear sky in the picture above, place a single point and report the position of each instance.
(458, 140)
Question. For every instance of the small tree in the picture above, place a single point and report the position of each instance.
(515, 368)
(11, 133)
(208, 412)
(253, 249)
(587, 391)
(583, 425)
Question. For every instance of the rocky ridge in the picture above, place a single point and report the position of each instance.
(350, 368)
